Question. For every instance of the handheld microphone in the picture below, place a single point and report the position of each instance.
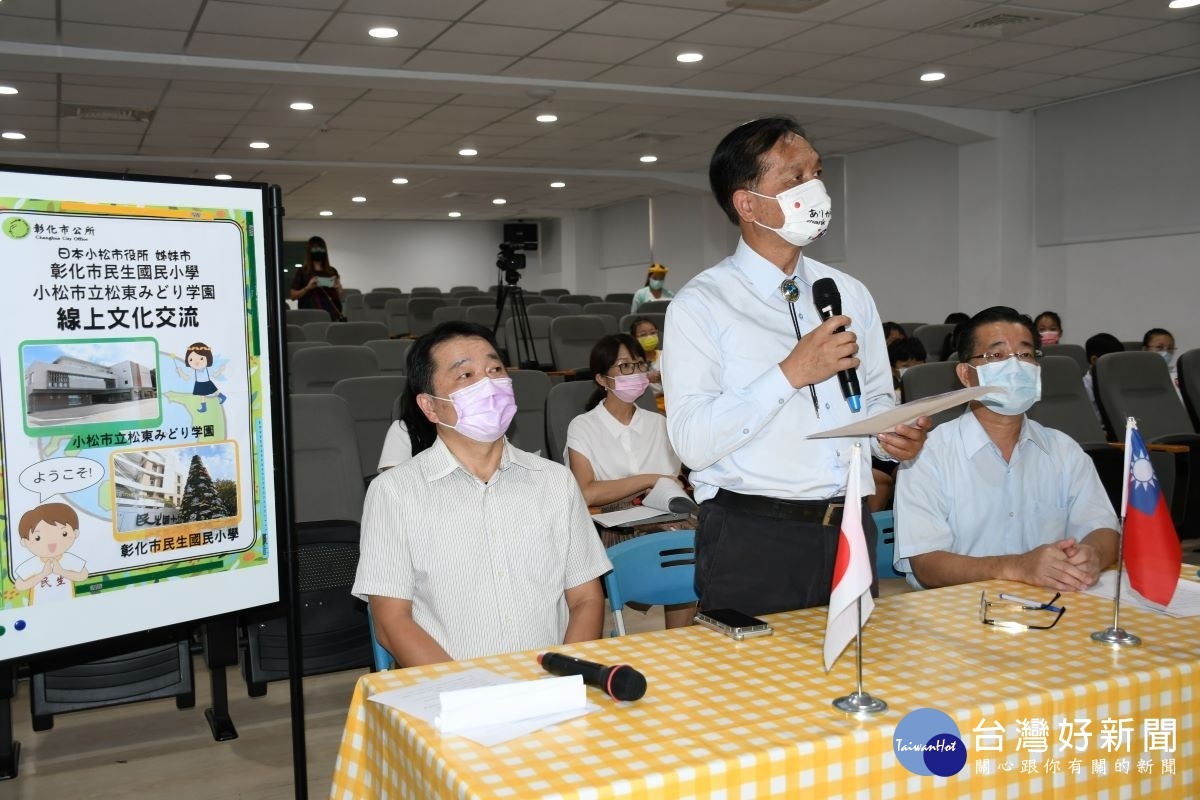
(620, 682)
(829, 304)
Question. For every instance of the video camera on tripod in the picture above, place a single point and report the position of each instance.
(511, 262)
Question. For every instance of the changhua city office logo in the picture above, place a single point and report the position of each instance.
(16, 228)
(927, 742)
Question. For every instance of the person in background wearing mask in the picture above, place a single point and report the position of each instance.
(1099, 345)
(646, 333)
(1049, 327)
(655, 288)
(893, 332)
(473, 547)
(616, 449)
(904, 355)
(996, 495)
(752, 371)
(1160, 340)
(317, 284)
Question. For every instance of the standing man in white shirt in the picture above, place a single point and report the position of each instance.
(751, 372)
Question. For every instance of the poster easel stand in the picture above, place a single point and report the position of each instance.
(220, 651)
(10, 750)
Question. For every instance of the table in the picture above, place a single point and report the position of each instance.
(753, 719)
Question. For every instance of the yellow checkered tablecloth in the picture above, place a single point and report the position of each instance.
(739, 720)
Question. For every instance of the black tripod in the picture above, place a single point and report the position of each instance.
(511, 294)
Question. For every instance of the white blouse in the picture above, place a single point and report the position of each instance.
(619, 451)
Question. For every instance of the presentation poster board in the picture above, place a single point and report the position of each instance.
(136, 446)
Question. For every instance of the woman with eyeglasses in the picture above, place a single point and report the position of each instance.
(616, 449)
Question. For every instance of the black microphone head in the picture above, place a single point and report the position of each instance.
(625, 683)
(826, 294)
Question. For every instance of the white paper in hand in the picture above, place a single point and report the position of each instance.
(906, 413)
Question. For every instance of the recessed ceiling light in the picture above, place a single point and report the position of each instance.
(689, 58)
(468, 151)
(326, 213)
(8, 90)
(301, 105)
(558, 185)
(498, 201)
(648, 159)
(358, 198)
(455, 214)
(384, 32)
(547, 118)
(222, 176)
(930, 77)
(12, 135)
(260, 145)
(1183, 3)
(400, 181)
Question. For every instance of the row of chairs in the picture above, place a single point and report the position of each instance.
(321, 353)
(1128, 384)
(934, 337)
(493, 290)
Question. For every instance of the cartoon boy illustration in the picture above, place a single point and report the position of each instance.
(48, 532)
(199, 357)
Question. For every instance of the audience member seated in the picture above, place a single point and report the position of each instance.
(616, 449)
(1049, 327)
(397, 445)
(950, 343)
(994, 494)
(1160, 340)
(892, 332)
(646, 332)
(1099, 345)
(904, 355)
(473, 547)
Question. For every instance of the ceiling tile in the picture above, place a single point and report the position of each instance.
(1007, 102)
(1083, 31)
(836, 39)
(1155, 40)
(286, 118)
(803, 86)
(921, 47)
(775, 63)
(947, 96)
(115, 81)
(1146, 68)
(724, 81)
(352, 29)
(427, 9)
(1005, 82)
(557, 69)
(906, 15)
(468, 37)
(27, 8)
(114, 37)
(649, 21)
(1151, 9)
(714, 56)
(254, 20)
(252, 47)
(854, 69)
(514, 101)
(743, 31)
(654, 76)
(1077, 87)
(1001, 55)
(182, 98)
(357, 55)
(28, 29)
(552, 14)
(175, 15)
(1080, 60)
(875, 92)
(440, 61)
(106, 96)
(593, 47)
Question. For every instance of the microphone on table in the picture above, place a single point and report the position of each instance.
(829, 304)
(620, 682)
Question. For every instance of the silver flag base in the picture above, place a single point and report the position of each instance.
(1118, 637)
(860, 703)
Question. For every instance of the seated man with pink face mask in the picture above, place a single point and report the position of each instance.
(473, 547)
(994, 494)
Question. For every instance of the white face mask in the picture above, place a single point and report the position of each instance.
(1021, 381)
(807, 210)
(1167, 355)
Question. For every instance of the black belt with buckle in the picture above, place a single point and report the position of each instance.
(824, 512)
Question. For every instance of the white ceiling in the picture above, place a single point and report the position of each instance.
(217, 74)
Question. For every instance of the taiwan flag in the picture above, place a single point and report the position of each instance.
(851, 572)
(1153, 555)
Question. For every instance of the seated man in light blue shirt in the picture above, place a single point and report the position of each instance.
(996, 495)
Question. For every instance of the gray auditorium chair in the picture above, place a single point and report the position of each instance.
(392, 355)
(449, 313)
(614, 310)
(315, 370)
(374, 304)
(1188, 370)
(465, 290)
(348, 291)
(420, 313)
(553, 309)
(370, 401)
(578, 299)
(539, 329)
(300, 316)
(353, 306)
(1139, 385)
(553, 292)
(654, 307)
(327, 501)
(933, 337)
(624, 298)
(388, 289)
(395, 316)
(528, 429)
(658, 318)
(610, 323)
(1064, 404)
(1132, 347)
(477, 300)
(316, 331)
(572, 339)
(486, 315)
(355, 332)
(295, 333)
(295, 347)
(567, 401)
(926, 380)
(1073, 351)
(426, 291)
(910, 328)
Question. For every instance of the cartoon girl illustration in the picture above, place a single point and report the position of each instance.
(199, 358)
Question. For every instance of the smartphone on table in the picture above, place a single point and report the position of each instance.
(733, 623)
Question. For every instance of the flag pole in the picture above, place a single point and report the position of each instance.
(1114, 634)
(858, 701)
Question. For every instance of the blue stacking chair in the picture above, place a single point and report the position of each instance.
(655, 569)
(885, 548)
(383, 659)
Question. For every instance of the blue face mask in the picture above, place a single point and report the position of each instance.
(656, 283)
(1021, 381)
